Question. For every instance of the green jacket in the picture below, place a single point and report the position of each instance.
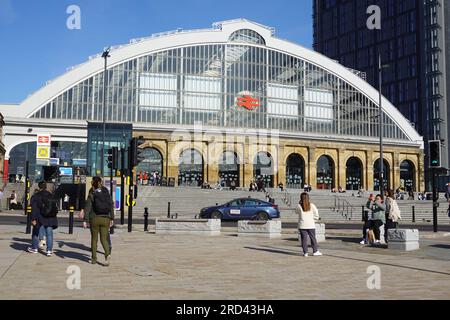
(89, 210)
(378, 210)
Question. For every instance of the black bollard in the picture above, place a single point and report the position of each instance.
(28, 229)
(168, 210)
(414, 214)
(145, 219)
(362, 213)
(71, 210)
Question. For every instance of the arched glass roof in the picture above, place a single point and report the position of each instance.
(247, 36)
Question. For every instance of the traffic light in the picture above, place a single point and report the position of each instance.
(110, 158)
(115, 158)
(435, 153)
(136, 154)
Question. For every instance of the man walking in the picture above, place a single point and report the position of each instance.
(44, 208)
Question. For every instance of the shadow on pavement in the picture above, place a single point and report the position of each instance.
(72, 255)
(73, 245)
(441, 246)
(274, 251)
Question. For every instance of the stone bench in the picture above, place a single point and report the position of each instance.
(320, 233)
(265, 229)
(209, 227)
(403, 239)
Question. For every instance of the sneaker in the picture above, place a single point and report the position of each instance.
(305, 254)
(31, 250)
(92, 261)
(317, 253)
(377, 242)
(49, 253)
(108, 260)
(363, 241)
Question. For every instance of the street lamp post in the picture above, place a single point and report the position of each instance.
(105, 56)
(381, 122)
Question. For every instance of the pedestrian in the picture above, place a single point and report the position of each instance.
(307, 215)
(44, 209)
(233, 185)
(13, 200)
(366, 219)
(392, 213)
(447, 193)
(378, 217)
(99, 213)
(66, 202)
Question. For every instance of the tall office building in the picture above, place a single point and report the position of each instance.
(414, 41)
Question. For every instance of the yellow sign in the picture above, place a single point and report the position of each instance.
(43, 152)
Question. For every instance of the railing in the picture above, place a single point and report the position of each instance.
(343, 207)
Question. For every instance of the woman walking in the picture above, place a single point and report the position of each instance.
(99, 212)
(307, 215)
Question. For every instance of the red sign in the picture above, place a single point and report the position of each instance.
(43, 139)
(248, 102)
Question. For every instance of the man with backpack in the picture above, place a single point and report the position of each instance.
(99, 213)
(44, 209)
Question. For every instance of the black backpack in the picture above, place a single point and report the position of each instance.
(49, 205)
(102, 202)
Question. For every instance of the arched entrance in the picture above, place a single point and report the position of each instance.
(408, 176)
(295, 171)
(325, 173)
(376, 175)
(263, 168)
(229, 168)
(190, 168)
(353, 173)
(152, 165)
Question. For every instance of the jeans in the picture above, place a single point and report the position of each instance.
(304, 233)
(41, 233)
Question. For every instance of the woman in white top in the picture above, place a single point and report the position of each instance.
(307, 215)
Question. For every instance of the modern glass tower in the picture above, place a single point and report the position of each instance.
(414, 41)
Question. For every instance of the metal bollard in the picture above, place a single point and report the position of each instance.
(362, 213)
(145, 219)
(168, 210)
(413, 214)
(71, 210)
(28, 229)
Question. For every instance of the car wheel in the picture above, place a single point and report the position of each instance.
(216, 215)
(262, 216)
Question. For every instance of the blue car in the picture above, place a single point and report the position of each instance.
(242, 209)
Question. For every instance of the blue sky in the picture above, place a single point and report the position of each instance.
(36, 45)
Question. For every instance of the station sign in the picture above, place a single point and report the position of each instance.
(43, 152)
(44, 140)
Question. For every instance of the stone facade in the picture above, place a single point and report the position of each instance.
(212, 146)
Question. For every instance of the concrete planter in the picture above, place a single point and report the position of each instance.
(265, 229)
(403, 239)
(209, 227)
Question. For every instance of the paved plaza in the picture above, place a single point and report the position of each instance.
(149, 266)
